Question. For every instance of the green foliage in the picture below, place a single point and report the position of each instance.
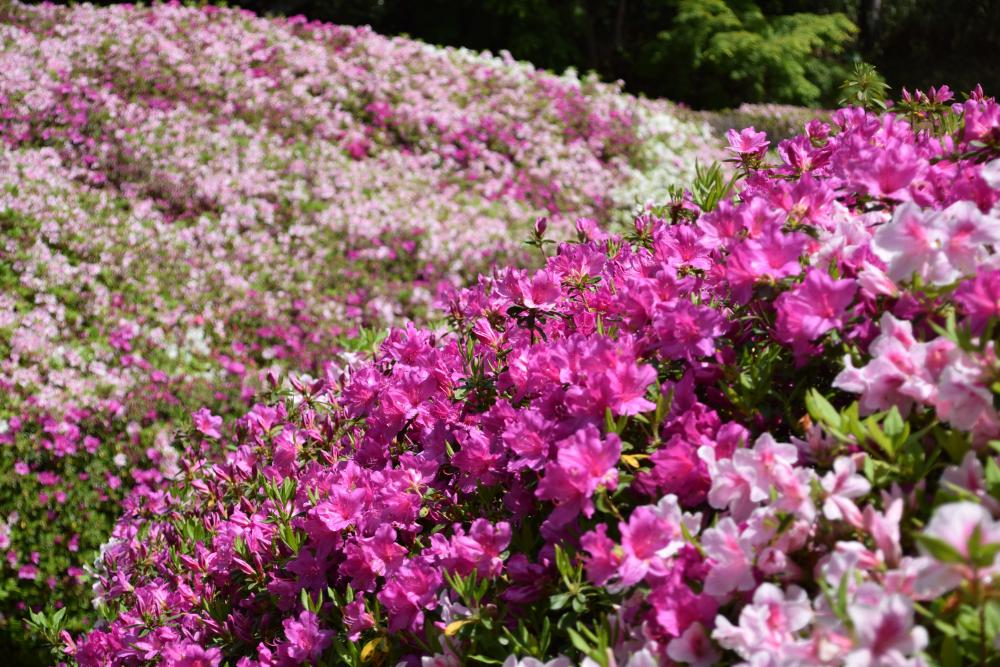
(735, 51)
(864, 88)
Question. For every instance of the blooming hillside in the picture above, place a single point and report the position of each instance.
(758, 425)
(189, 197)
(758, 428)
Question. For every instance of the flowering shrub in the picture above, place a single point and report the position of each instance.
(779, 121)
(757, 428)
(191, 197)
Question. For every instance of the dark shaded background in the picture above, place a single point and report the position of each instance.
(913, 43)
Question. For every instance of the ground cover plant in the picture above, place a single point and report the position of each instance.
(192, 198)
(757, 427)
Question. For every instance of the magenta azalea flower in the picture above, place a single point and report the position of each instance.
(748, 142)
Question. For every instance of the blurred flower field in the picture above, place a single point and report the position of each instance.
(322, 347)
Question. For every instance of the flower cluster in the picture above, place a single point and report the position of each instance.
(756, 427)
(191, 197)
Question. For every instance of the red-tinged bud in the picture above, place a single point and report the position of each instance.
(244, 566)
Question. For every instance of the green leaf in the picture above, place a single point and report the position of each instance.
(821, 410)
(559, 601)
(893, 424)
(982, 555)
(578, 641)
(992, 475)
(939, 549)
(949, 653)
(876, 434)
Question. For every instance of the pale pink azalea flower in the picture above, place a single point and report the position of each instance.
(955, 525)
(669, 510)
(794, 490)
(913, 242)
(991, 174)
(884, 529)
(694, 647)
(898, 374)
(876, 282)
(963, 399)
(769, 625)
(841, 485)
(512, 661)
(734, 482)
(884, 633)
(969, 477)
(732, 568)
(852, 560)
(939, 247)
(969, 234)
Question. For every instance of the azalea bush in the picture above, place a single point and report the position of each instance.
(757, 426)
(192, 197)
(778, 121)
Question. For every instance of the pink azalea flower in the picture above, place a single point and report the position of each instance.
(678, 469)
(189, 654)
(341, 509)
(891, 170)
(368, 557)
(980, 298)
(527, 437)
(646, 539)
(480, 550)
(583, 464)
(604, 558)
(207, 424)
(748, 142)
(311, 567)
(814, 307)
(477, 458)
(410, 591)
(306, 642)
(774, 255)
(357, 619)
(687, 331)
